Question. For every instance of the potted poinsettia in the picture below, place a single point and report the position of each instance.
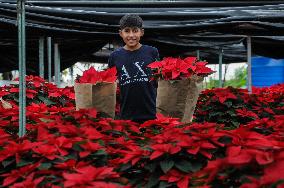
(179, 84)
(97, 89)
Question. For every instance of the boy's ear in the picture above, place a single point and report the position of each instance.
(142, 32)
(120, 32)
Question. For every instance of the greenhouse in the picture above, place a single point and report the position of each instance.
(81, 136)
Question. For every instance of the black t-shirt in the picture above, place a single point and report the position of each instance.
(137, 92)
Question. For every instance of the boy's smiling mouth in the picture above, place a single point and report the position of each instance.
(131, 40)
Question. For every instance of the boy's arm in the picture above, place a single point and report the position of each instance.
(156, 58)
(156, 54)
(110, 61)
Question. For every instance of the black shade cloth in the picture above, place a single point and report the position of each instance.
(176, 28)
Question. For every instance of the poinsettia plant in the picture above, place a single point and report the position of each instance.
(93, 76)
(37, 91)
(177, 69)
(68, 148)
(233, 107)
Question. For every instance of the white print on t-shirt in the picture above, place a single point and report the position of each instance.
(139, 76)
(139, 69)
(125, 73)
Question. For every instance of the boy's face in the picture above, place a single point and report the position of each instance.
(131, 36)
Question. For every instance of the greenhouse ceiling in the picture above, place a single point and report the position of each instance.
(176, 28)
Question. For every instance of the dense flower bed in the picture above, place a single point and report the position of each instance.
(234, 107)
(39, 91)
(68, 148)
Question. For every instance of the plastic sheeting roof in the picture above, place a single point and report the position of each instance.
(176, 28)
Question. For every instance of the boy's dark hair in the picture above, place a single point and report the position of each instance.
(130, 20)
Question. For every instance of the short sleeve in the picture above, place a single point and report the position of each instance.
(110, 61)
(156, 54)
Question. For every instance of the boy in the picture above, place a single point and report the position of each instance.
(138, 92)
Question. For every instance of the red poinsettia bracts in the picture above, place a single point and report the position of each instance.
(16, 149)
(181, 179)
(176, 68)
(89, 176)
(233, 107)
(93, 76)
(237, 141)
(16, 174)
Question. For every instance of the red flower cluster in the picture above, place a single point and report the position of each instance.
(37, 91)
(176, 68)
(68, 148)
(92, 76)
(233, 107)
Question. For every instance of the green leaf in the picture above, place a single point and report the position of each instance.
(153, 180)
(8, 162)
(72, 155)
(68, 118)
(236, 124)
(138, 185)
(46, 100)
(163, 184)
(225, 139)
(183, 165)
(62, 100)
(100, 152)
(77, 147)
(167, 165)
(115, 132)
(44, 166)
(23, 163)
(228, 103)
(151, 167)
(213, 114)
(231, 113)
(279, 182)
(101, 142)
(196, 166)
(187, 166)
(125, 167)
(46, 120)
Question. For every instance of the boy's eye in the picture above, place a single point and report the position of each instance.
(127, 30)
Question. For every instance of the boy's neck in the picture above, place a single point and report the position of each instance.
(133, 48)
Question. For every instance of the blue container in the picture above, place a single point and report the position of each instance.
(267, 71)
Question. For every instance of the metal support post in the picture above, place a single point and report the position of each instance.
(198, 55)
(71, 70)
(249, 79)
(22, 66)
(56, 64)
(49, 58)
(41, 57)
(220, 68)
